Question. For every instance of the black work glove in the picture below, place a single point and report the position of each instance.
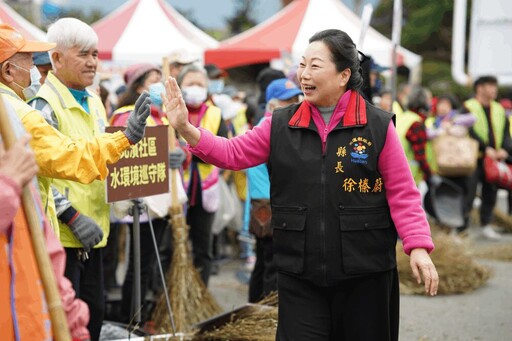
(86, 231)
(176, 158)
(137, 120)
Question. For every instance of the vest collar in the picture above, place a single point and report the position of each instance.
(66, 98)
(4, 89)
(355, 115)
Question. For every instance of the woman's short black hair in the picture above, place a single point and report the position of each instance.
(344, 54)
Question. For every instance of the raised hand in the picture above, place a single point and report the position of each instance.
(136, 123)
(177, 112)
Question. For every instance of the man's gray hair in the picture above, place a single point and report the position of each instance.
(190, 68)
(71, 32)
(272, 103)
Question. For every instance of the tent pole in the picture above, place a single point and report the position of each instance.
(395, 37)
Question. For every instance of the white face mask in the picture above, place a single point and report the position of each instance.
(35, 84)
(194, 95)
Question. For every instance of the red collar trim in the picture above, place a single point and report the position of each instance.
(355, 115)
(302, 116)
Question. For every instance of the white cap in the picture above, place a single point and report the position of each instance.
(182, 57)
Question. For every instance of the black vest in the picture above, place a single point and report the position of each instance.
(330, 215)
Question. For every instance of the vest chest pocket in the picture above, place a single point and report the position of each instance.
(289, 237)
(368, 240)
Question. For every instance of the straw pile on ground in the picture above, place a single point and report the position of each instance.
(271, 299)
(258, 325)
(501, 252)
(458, 272)
(503, 220)
(253, 322)
(500, 219)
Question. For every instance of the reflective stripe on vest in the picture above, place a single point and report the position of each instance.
(429, 147)
(481, 126)
(211, 122)
(397, 108)
(74, 121)
(150, 121)
(24, 310)
(403, 124)
(23, 109)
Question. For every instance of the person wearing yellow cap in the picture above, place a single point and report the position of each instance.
(58, 156)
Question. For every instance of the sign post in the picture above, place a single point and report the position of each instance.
(141, 171)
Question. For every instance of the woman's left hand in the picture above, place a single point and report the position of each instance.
(421, 262)
(176, 110)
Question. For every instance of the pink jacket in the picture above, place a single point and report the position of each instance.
(76, 310)
(403, 197)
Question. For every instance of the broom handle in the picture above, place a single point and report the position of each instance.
(175, 205)
(57, 316)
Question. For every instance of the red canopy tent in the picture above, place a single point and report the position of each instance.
(288, 32)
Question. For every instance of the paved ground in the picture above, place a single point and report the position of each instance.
(484, 314)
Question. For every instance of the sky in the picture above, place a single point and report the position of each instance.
(210, 14)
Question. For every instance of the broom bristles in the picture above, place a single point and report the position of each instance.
(190, 300)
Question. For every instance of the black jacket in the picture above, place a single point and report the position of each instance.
(330, 215)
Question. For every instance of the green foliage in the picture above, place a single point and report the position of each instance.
(242, 19)
(427, 25)
(437, 77)
(427, 31)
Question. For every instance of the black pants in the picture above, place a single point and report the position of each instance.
(264, 276)
(489, 194)
(147, 259)
(200, 223)
(87, 280)
(359, 309)
(110, 257)
(464, 183)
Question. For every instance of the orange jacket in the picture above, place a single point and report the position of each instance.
(24, 310)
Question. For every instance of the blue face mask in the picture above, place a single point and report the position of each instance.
(155, 90)
(216, 86)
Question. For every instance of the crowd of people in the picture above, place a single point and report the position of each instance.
(422, 119)
(324, 184)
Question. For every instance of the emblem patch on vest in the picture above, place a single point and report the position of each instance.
(359, 150)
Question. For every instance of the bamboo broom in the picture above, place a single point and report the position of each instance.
(57, 316)
(190, 299)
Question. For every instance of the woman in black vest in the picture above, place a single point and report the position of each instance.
(341, 190)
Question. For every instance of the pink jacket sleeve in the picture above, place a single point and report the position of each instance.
(243, 151)
(10, 193)
(76, 310)
(403, 196)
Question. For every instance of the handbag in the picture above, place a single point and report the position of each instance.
(498, 173)
(455, 156)
(260, 218)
